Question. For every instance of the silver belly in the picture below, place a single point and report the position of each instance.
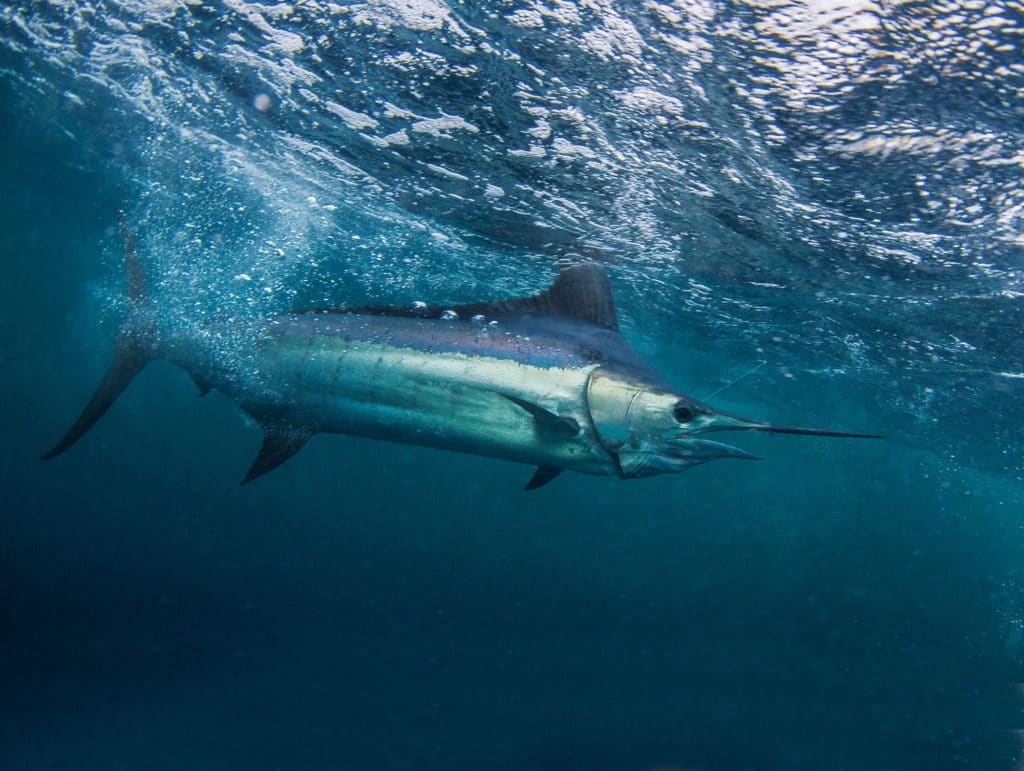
(450, 401)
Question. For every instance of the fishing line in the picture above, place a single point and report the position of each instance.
(719, 390)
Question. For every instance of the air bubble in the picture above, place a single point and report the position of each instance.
(419, 305)
(449, 315)
(478, 319)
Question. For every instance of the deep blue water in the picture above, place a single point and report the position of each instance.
(828, 194)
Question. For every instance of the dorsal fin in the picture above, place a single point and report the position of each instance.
(579, 292)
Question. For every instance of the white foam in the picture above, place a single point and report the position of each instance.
(420, 15)
(526, 18)
(357, 121)
(439, 127)
(648, 100)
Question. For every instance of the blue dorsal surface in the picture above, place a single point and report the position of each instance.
(573, 322)
(580, 292)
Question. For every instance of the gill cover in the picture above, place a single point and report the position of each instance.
(639, 424)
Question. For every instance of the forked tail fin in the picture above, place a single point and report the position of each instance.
(132, 351)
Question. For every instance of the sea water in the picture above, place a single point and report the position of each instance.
(814, 209)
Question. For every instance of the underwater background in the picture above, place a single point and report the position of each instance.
(814, 209)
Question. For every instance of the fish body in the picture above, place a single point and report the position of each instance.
(450, 384)
(545, 380)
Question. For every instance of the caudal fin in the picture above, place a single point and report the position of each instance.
(132, 351)
(128, 362)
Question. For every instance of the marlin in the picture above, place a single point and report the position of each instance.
(545, 380)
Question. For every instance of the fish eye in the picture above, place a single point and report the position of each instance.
(682, 412)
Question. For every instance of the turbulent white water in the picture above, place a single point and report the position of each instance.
(833, 188)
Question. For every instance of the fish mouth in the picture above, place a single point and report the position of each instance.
(686, 447)
(677, 454)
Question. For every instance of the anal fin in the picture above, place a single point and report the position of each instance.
(542, 476)
(203, 387)
(280, 442)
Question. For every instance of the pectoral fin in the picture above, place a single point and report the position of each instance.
(565, 426)
(542, 476)
(280, 442)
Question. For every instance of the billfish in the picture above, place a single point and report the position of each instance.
(545, 380)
